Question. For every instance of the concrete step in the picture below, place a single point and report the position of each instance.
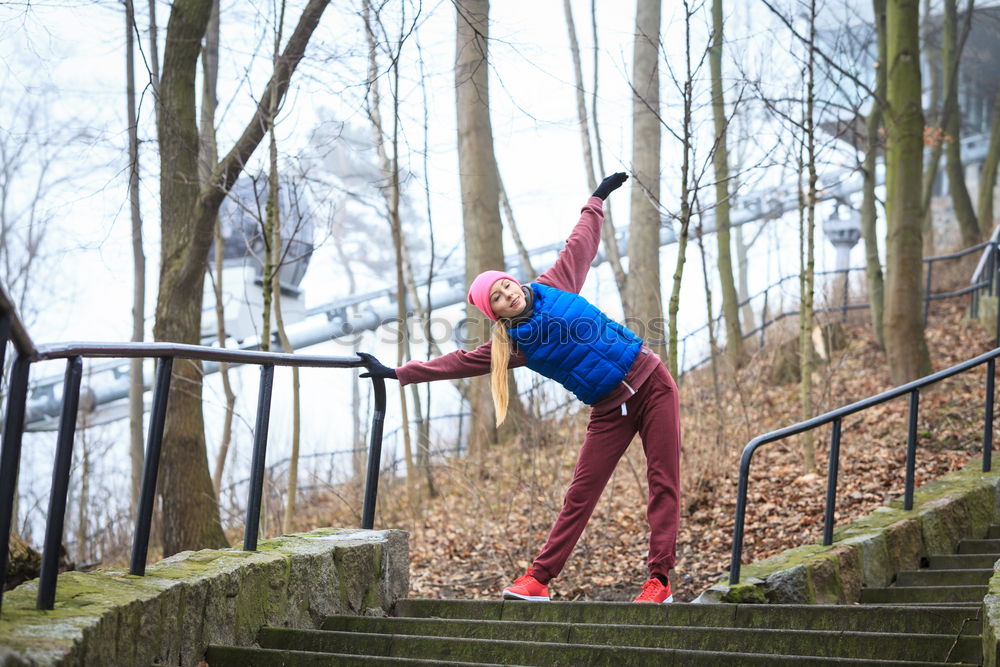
(978, 577)
(820, 643)
(524, 652)
(868, 618)
(923, 594)
(231, 656)
(962, 562)
(979, 547)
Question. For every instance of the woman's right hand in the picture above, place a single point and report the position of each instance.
(375, 368)
(610, 184)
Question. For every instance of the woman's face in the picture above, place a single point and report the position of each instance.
(506, 298)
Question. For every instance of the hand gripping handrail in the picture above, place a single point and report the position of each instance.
(835, 416)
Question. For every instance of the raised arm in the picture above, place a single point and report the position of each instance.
(571, 267)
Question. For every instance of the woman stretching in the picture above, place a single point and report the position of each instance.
(549, 328)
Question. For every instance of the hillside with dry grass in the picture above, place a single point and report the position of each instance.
(491, 516)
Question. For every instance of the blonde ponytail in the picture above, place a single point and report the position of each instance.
(498, 370)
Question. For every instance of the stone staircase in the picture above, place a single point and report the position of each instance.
(928, 617)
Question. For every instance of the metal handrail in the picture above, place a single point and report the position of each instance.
(165, 353)
(835, 416)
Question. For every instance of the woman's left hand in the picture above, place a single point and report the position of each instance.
(610, 184)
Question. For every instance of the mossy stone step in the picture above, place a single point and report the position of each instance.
(924, 594)
(979, 577)
(820, 643)
(962, 562)
(524, 652)
(993, 533)
(980, 547)
(232, 656)
(873, 618)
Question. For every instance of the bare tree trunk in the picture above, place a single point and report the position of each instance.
(713, 343)
(720, 160)
(951, 59)
(293, 459)
(685, 218)
(742, 287)
(906, 347)
(610, 235)
(136, 386)
(643, 302)
(190, 510)
(869, 211)
(82, 555)
(154, 58)
(937, 111)
(608, 229)
(808, 258)
(424, 430)
(988, 175)
(480, 192)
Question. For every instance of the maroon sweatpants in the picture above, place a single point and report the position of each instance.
(653, 412)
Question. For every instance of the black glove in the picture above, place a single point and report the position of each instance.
(610, 184)
(375, 368)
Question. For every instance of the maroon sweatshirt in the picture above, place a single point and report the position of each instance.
(567, 274)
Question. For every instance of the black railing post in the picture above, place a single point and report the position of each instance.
(927, 291)
(911, 450)
(374, 455)
(60, 484)
(10, 454)
(988, 421)
(151, 466)
(831, 482)
(741, 510)
(259, 453)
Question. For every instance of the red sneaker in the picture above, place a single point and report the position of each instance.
(654, 591)
(526, 587)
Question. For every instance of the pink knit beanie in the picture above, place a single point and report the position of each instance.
(479, 292)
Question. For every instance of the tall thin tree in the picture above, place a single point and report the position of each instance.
(136, 385)
(869, 210)
(643, 302)
(480, 190)
(988, 175)
(906, 346)
(720, 159)
(608, 228)
(951, 62)
(187, 210)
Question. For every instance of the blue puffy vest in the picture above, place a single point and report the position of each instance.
(571, 341)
